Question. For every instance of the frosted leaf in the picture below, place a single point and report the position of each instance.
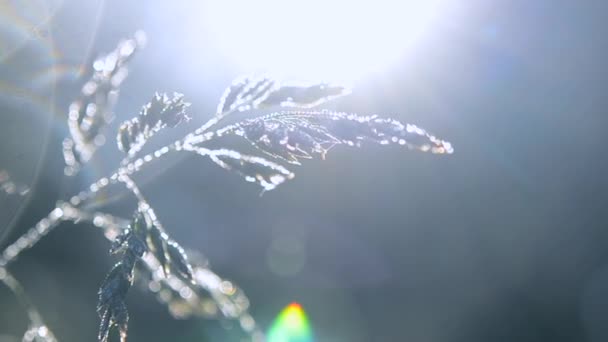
(252, 93)
(296, 135)
(111, 305)
(254, 169)
(162, 111)
(130, 242)
(157, 243)
(171, 256)
(303, 95)
(178, 260)
(244, 94)
(92, 111)
(120, 243)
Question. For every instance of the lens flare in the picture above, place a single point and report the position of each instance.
(291, 325)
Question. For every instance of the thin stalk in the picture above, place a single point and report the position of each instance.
(17, 289)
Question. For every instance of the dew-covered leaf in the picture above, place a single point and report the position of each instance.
(138, 224)
(157, 243)
(303, 95)
(170, 255)
(91, 112)
(254, 169)
(116, 284)
(111, 305)
(251, 93)
(121, 318)
(244, 94)
(104, 326)
(137, 247)
(178, 260)
(120, 242)
(297, 135)
(162, 111)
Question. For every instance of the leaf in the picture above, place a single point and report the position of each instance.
(259, 170)
(116, 315)
(131, 239)
(121, 318)
(157, 243)
(162, 111)
(169, 253)
(296, 135)
(120, 242)
(244, 94)
(91, 112)
(303, 95)
(115, 285)
(104, 327)
(111, 303)
(136, 246)
(179, 261)
(251, 93)
(139, 225)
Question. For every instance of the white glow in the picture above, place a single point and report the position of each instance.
(333, 40)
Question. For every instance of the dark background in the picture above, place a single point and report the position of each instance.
(506, 240)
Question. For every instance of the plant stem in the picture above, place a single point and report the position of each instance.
(13, 284)
(136, 165)
(63, 212)
(37, 331)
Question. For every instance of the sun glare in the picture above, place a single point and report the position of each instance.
(333, 40)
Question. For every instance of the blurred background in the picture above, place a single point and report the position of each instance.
(506, 240)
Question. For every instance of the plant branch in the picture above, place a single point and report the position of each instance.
(37, 329)
(63, 212)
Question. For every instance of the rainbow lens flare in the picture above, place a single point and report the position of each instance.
(291, 325)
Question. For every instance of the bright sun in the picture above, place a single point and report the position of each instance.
(334, 40)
